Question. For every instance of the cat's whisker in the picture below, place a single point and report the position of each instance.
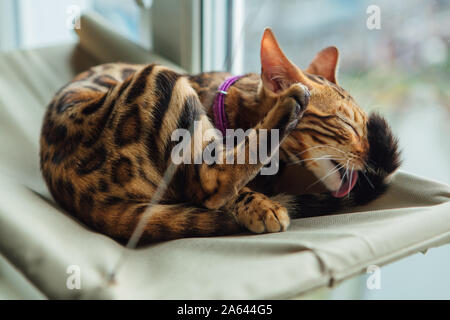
(369, 168)
(347, 154)
(347, 170)
(344, 175)
(308, 149)
(350, 184)
(323, 146)
(368, 180)
(315, 159)
(335, 169)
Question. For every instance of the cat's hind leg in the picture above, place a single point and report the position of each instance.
(259, 213)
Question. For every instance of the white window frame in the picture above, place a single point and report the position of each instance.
(222, 36)
(9, 25)
(236, 37)
(214, 35)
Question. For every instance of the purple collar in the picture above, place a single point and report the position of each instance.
(220, 118)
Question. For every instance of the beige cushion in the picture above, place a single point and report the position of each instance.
(42, 241)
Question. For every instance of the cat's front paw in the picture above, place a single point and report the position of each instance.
(261, 214)
(300, 94)
(293, 102)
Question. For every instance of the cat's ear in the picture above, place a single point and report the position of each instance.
(325, 64)
(277, 72)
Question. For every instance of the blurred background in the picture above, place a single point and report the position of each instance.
(394, 59)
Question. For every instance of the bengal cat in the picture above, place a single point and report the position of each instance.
(106, 145)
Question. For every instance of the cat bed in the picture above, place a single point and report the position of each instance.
(46, 245)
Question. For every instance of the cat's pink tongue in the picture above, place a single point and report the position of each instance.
(347, 186)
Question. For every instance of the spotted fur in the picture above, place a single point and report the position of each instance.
(106, 146)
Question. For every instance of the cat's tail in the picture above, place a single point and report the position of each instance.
(163, 222)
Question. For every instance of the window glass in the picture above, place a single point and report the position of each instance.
(123, 15)
(48, 22)
(401, 69)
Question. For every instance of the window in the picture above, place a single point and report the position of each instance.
(398, 69)
(47, 22)
(401, 70)
(123, 15)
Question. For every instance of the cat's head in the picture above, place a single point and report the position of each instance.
(345, 148)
